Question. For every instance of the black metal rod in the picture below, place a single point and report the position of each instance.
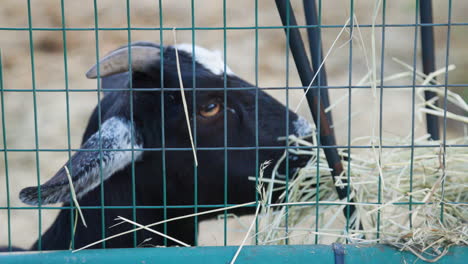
(428, 60)
(321, 120)
(315, 47)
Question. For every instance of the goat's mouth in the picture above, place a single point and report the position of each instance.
(292, 164)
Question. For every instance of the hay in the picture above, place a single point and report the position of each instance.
(152, 231)
(415, 199)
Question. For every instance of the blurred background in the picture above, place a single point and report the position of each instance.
(49, 73)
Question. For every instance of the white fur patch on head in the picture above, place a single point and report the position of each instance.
(211, 60)
(303, 127)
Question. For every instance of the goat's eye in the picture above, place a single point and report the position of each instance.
(210, 110)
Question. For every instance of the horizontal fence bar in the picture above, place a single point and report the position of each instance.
(337, 26)
(463, 85)
(240, 148)
(353, 254)
(190, 206)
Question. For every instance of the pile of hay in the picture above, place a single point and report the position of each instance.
(413, 198)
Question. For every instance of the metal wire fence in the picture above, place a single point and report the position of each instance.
(310, 65)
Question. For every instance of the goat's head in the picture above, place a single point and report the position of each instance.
(235, 125)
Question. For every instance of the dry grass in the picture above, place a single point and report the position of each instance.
(415, 199)
(435, 188)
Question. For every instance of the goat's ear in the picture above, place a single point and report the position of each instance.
(144, 57)
(115, 142)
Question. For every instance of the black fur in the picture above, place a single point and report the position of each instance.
(12, 249)
(179, 169)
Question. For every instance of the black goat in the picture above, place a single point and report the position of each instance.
(120, 132)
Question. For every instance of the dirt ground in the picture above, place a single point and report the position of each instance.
(48, 73)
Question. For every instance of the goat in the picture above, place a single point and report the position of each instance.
(101, 171)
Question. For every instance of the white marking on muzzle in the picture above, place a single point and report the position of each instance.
(303, 127)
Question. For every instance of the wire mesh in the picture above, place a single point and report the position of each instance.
(319, 88)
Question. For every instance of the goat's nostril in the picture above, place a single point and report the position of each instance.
(302, 127)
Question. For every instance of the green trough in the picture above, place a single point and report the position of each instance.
(353, 254)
